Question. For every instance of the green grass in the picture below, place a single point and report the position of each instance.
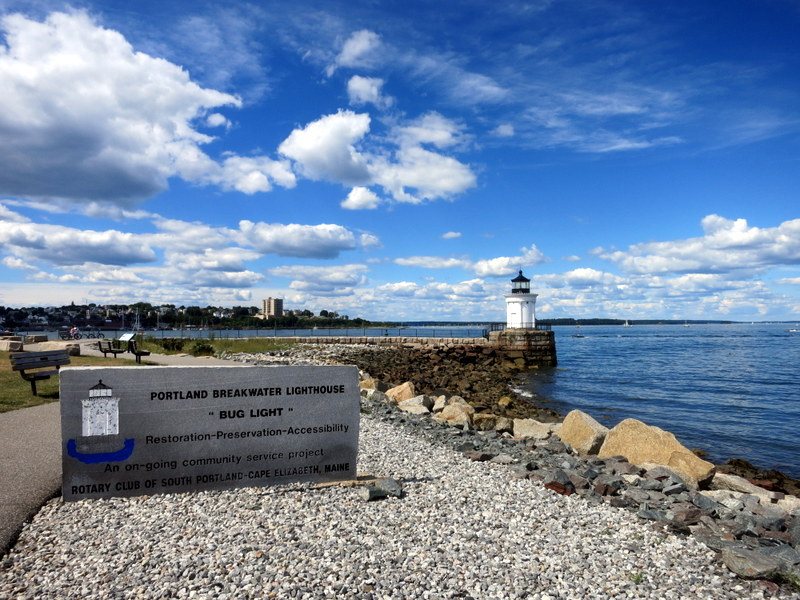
(15, 392)
(233, 345)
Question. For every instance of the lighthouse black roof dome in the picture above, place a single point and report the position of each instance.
(520, 284)
(520, 278)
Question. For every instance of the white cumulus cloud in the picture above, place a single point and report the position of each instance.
(506, 265)
(327, 281)
(430, 128)
(334, 148)
(56, 244)
(307, 241)
(367, 90)
(325, 149)
(504, 130)
(84, 117)
(361, 198)
(360, 50)
(726, 246)
(429, 175)
(434, 262)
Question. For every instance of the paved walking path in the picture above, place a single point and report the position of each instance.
(30, 451)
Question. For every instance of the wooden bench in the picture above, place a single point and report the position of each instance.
(107, 347)
(29, 364)
(134, 349)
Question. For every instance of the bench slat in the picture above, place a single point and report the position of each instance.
(38, 363)
(45, 354)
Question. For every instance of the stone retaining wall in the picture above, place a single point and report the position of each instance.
(538, 348)
(517, 349)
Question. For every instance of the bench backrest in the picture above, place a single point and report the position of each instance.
(24, 361)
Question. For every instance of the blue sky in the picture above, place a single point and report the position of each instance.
(402, 160)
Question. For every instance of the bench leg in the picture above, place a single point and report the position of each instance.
(33, 387)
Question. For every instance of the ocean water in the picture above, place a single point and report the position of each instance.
(731, 390)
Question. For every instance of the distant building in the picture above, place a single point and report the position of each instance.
(272, 307)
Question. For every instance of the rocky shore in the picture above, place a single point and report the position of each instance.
(460, 529)
(483, 377)
(460, 397)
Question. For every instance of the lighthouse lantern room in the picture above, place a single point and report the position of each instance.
(521, 304)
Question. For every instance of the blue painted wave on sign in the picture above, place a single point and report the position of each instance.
(101, 457)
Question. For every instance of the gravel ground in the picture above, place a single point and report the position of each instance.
(462, 529)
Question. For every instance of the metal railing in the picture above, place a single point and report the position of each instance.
(536, 327)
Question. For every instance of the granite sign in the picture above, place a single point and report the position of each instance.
(128, 431)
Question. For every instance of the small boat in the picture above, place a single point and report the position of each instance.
(626, 324)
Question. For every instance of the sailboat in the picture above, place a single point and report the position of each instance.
(626, 324)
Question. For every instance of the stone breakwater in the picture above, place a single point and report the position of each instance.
(755, 531)
(478, 372)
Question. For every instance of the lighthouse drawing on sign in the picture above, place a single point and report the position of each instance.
(520, 304)
(100, 411)
(100, 440)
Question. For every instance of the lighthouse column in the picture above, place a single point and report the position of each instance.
(521, 311)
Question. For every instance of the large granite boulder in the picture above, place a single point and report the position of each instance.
(504, 425)
(531, 428)
(724, 481)
(72, 348)
(404, 391)
(490, 422)
(641, 443)
(370, 383)
(376, 396)
(457, 414)
(582, 432)
(485, 421)
(418, 405)
(11, 345)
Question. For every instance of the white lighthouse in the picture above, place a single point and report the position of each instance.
(520, 304)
